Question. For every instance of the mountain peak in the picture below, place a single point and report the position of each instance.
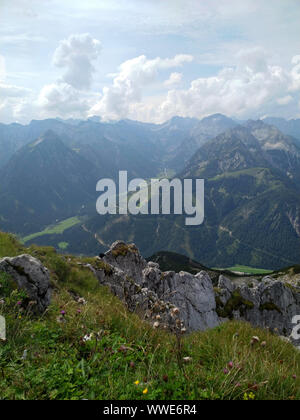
(215, 117)
(48, 137)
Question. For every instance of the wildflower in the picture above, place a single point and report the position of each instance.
(178, 323)
(78, 311)
(63, 313)
(82, 301)
(183, 330)
(187, 359)
(230, 365)
(136, 382)
(60, 319)
(248, 397)
(87, 337)
(226, 371)
(19, 303)
(2, 302)
(254, 340)
(165, 378)
(263, 344)
(156, 324)
(19, 317)
(132, 364)
(175, 311)
(145, 391)
(294, 376)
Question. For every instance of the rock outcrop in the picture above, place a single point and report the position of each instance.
(31, 276)
(144, 287)
(268, 304)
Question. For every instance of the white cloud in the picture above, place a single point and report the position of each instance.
(174, 79)
(77, 54)
(128, 84)
(16, 104)
(13, 99)
(61, 99)
(249, 89)
(295, 73)
(2, 68)
(66, 97)
(285, 100)
(11, 91)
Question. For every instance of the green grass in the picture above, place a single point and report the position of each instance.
(63, 245)
(57, 229)
(123, 349)
(248, 270)
(9, 246)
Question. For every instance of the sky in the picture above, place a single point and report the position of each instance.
(149, 60)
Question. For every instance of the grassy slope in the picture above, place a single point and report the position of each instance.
(248, 270)
(57, 229)
(59, 365)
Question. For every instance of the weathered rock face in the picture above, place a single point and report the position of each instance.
(143, 286)
(138, 299)
(31, 276)
(193, 295)
(269, 304)
(127, 258)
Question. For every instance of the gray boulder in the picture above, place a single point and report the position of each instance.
(127, 258)
(193, 295)
(128, 273)
(270, 304)
(31, 276)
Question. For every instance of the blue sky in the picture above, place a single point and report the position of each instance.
(148, 59)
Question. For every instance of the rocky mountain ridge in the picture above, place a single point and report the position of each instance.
(180, 301)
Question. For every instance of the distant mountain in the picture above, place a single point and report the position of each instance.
(142, 149)
(289, 127)
(44, 181)
(282, 151)
(198, 133)
(251, 172)
(255, 144)
(252, 205)
(14, 136)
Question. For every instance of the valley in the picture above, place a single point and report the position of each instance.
(251, 171)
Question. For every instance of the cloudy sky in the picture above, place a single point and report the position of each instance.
(148, 60)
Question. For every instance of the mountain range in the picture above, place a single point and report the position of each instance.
(49, 170)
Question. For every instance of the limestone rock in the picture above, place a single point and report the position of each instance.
(271, 304)
(31, 276)
(193, 295)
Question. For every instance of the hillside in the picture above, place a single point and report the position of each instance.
(251, 205)
(99, 350)
(42, 182)
(251, 174)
